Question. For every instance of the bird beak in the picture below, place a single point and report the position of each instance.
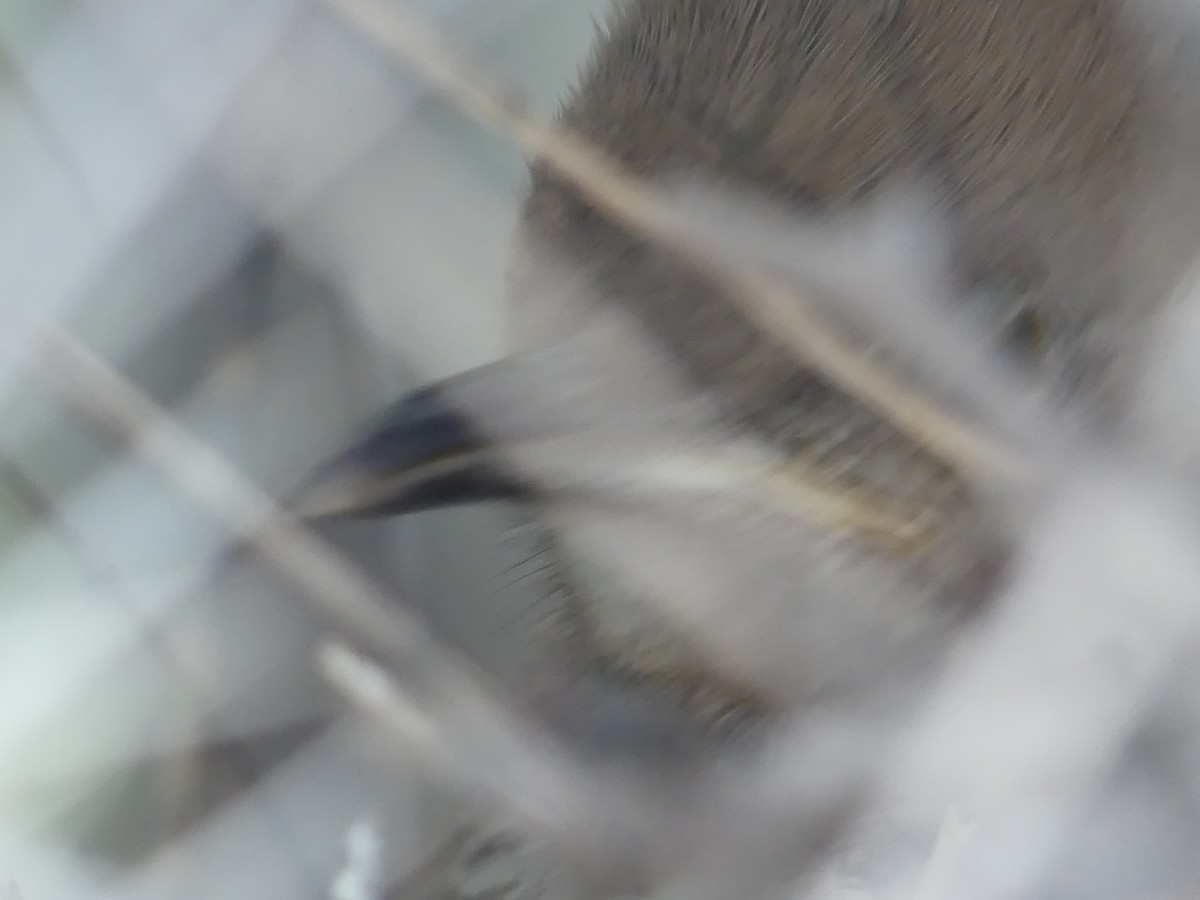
(428, 452)
(420, 454)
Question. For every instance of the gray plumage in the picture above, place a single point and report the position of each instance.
(1039, 127)
(1055, 139)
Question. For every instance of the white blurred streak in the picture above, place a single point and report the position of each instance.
(360, 878)
(460, 747)
(1035, 707)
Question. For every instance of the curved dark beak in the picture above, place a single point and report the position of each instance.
(420, 454)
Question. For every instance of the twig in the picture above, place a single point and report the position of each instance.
(785, 315)
(544, 785)
(430, 736)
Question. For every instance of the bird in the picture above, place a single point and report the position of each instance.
(1050, 144)
(729, 535)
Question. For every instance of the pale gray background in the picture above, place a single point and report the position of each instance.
(264, 223)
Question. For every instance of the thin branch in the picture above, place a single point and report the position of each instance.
(161, 639)
(434, 737)
(543, 781)
(785, 315)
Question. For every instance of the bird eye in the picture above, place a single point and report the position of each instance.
(1018, 326)
(1027, 332)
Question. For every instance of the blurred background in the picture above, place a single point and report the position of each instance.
(271, 228)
